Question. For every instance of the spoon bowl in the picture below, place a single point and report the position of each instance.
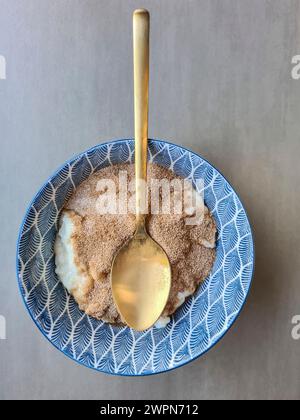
(141, 281)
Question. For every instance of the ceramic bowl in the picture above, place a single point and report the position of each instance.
(196, 326)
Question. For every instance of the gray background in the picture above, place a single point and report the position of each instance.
(220, 84)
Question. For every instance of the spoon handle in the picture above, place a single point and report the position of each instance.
(141, 24)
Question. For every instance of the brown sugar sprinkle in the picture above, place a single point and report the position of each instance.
(97, 237)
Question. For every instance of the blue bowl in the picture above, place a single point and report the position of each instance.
(194, 329)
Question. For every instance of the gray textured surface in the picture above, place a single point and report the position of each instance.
(221, 85)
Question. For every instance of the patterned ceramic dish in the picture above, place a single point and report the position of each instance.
(197, 326)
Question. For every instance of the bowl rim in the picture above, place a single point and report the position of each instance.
(39, 192)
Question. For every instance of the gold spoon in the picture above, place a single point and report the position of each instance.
(141, 272)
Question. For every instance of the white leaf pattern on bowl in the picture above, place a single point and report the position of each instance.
(195, 327)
